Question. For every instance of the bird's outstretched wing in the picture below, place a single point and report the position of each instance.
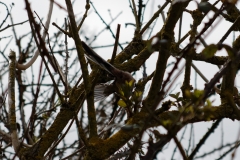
(102, 91)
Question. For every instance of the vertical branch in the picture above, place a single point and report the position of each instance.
(41, 45)
(180, 27)
(197, 19)
(81, 131)
(115, 44)
(229, 78)
(166, 34)
(136, 17)
(36, 54)
(66, 60)
(87, 84)
(87, 7)
(140, 6)
(179, 145)
(11, 101)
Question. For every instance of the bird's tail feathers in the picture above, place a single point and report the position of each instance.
(93, 56)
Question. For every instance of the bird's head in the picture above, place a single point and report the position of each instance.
(124, 83)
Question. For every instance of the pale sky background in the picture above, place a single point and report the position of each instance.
(93, 25)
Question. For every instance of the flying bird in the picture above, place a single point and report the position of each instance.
(123, 83)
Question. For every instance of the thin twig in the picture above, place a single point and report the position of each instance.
(156, 14)
(135, 16)
(87, 7)
(115, 44)
(8, 26)
(180, 148)
(204, 138)
(107, 26)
